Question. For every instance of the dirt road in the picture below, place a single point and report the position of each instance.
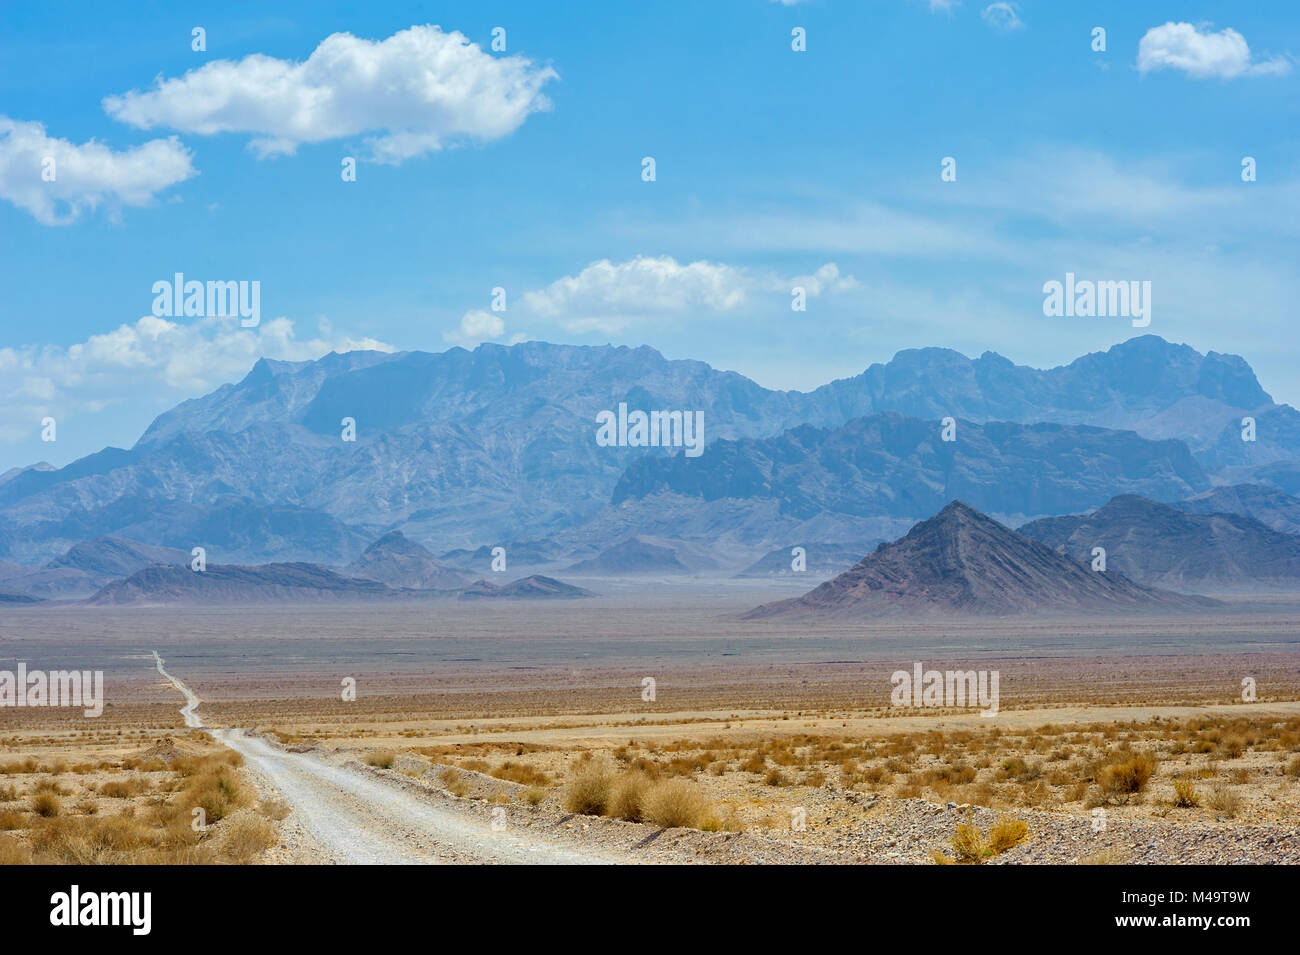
(358, 818)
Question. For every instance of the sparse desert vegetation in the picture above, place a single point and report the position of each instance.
(381, 758)
(135, 809)
(1224, 769)
(808, 770)
(597, 787)
(970, 846)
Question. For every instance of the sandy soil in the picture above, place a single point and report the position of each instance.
(347, 812)
(487, 712)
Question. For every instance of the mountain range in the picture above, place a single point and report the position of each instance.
(463, 450)
(86, 567)
(1268, 505)
(1165, 546)
(299, 583)
(898, 466)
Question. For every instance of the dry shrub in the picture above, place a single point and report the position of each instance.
(1225, 801)
(453, 780)
(754, 764)
(123, 788)
(627, 795)
(46, 805)
(675, 803)
(876, 776)
(65, 841)
(971, 847)
(968, 845)
(13, 852)
(275, 809)
(245, 836)
(521, 773)
(1127, 777)
(12, 820)
(1185, 794)
(118, 832)
(194, 765)
(589, 787)
(1006, 834)
(218, 792)
(382, 759)
(774, 777)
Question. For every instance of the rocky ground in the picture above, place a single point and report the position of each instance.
(880, 830)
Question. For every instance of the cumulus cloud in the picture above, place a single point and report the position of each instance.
(1002, 16)
(609, 297)
(153, 359)
(477, 326)
(1203, 55)
(57, 181)
(416, 92)
(825, 279)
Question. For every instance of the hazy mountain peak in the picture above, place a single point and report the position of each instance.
(963, 562)
(498, 443)
(1171, 546)
(396, 560)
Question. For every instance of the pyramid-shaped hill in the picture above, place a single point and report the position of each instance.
(633, 556)
(962, 562)
(534, 587)
(398, 561)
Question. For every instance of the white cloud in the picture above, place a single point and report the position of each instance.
(153, 360)
(609, 297)
(1002, 16)
(417, 91)
(1054, 189)
(825, 279)
(1074, 187)
(83, 176)
(477, 326)
(1181, 46)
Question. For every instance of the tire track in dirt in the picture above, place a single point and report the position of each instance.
(358, 818)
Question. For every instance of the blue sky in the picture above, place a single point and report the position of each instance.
(774, 168)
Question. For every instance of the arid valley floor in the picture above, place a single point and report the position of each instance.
(523, 732)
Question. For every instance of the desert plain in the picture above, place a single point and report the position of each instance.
(651, 724)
